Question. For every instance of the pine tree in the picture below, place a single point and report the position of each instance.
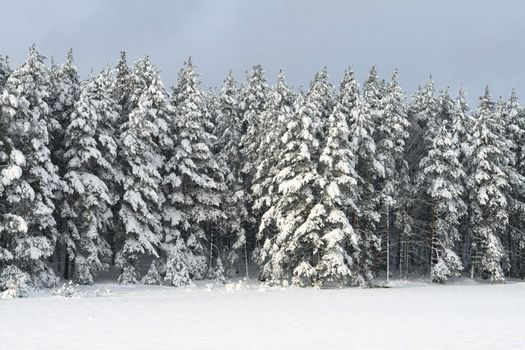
(373, 93)
(298, 219)
(65, 92)
(277, 112)
(321, 93)
(361, 125)
(107, 137)
(140, 161)
(340, 251)
(442, 175)
(5, 71)
(64, 88)
(13, 228)
(511, 114)
(193, 177)
(461, 128)
(252, 102)
(31, 196)
(228, 134)
(426, 109)
(279, 107)
(87, 199)
(462, 123)
(393, 133)
(488, 184)
(122, 88)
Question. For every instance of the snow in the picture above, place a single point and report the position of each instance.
(410, 315)
(10, 174)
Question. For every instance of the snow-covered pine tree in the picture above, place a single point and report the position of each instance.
(13, 281)
(428, 111)
(278, 108)
(461, 129)
(340, 250)
(228, 133)
(426, 108)
(140, 136)
(5, 71)
(122, 88)
(293, 251)
(393, 134)
(252, 102)
(321, 93)
(177, 260)
(441, 175)
(513, 117)
(64, 92)
(253, 99)
(87, 200)
(462, 124)
(373, 93)
(488, 184)
(195, 182)
(360, 136)
(31, 196)
(107, 137)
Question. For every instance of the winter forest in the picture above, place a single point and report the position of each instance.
(326, 186)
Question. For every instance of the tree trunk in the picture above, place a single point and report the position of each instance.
(66, 266)
(511, 264)
(387, 238)
(246, 260)
(59, 256)
(432, 240)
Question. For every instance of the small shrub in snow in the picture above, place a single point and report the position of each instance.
(217, 272)
(106, 291)
(232, 286)
(153, 276)
(67, 290)
(13, 283)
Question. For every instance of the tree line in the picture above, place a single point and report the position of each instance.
(321, 187)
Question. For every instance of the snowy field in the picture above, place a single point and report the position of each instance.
(410, 315)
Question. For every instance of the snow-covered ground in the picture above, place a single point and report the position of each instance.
(410, 315)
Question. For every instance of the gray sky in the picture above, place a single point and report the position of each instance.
(469, 42)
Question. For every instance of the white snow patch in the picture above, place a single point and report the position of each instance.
(237, 315)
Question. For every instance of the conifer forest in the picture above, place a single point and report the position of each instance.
(325, 186)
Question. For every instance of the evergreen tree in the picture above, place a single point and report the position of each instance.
(31, 196)
(442, 175)
(13, 228)
(361, 125)
(373, 93)
(393, 133)
(5, 71)
(228, 133)
(122, 88)
(511, 114)
(65, 91)
(277, 112)
(321, 93)
(252, 102)
(295, 246)
(340, 251)
(64, 87)
(140, 161)
(194, 180)
(488, 184)
(426, 109)
(87, 199)
(462, 123)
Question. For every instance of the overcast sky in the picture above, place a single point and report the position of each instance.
(474, 43)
